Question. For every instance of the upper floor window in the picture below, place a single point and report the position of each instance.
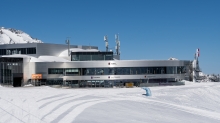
(91, 56)
(31, 50)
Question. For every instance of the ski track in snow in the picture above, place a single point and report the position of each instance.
(49, 105)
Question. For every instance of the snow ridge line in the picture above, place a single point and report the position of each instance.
(13, 36)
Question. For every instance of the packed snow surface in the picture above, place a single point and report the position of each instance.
(194, 102)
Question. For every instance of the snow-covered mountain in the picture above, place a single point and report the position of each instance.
(13, 36)
(208, 78)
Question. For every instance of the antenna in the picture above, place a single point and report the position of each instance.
(117, 47)
(195, 66)
(106, 42)
(68, 42)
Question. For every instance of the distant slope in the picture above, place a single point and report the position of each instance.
(13, 36)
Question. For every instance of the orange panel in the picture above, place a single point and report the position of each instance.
(129, 85)
(36, 76)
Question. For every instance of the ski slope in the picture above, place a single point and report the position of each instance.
(194, 102)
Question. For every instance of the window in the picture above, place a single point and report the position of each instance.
(117, 71)
(171, 70)
(55, 71)
(180, 70)
(18, 51)
(71, 71)
(91, 56)
(31, 50)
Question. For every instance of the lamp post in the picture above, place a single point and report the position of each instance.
(68, 43)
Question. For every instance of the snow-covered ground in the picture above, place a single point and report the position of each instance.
(194, 102)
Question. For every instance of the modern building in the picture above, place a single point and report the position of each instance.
(83, 66)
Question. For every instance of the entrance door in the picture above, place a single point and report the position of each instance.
(17, 81)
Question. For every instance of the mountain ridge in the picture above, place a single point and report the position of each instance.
(14, 36)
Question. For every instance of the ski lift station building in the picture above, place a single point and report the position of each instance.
(83, 66)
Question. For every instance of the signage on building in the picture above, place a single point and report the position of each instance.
(113, 77)
(36, 76)
(95, 77)
(112, 63)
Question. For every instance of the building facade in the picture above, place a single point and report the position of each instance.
(86, 66)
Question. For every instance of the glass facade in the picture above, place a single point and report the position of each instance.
(109, 83)
(106, 83)
(54, 81)
(55, 71)
(11, 70)
(117, 71)
(18, 51)
(92, 83)
(64, 71)
(112, 71)
(72, 83)
(91, 56)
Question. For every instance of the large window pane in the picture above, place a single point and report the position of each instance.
(55, 70)
(31, 50)
(99, 71)
(87, 56)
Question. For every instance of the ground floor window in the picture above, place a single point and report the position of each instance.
(117, 71)
(54, 81)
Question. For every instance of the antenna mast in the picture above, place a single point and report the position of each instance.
(106, 42)
(68, 42)
(117, 47)
(195, 66)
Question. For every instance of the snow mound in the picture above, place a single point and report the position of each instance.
(171, 58)
(29, 85)
(202, 74)
(188, 82)
(208, 78)
(13, 36)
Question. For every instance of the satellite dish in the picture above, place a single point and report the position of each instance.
(105, 38)
(67, 41)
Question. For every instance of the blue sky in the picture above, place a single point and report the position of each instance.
(148, 29)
